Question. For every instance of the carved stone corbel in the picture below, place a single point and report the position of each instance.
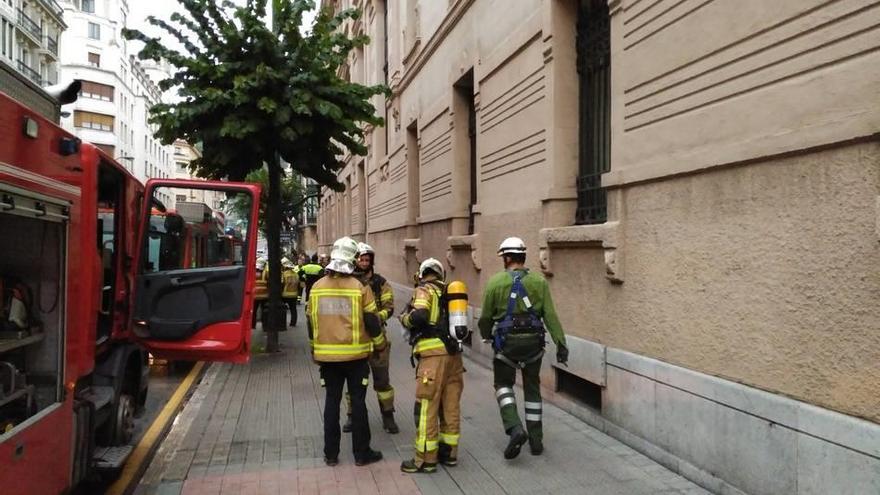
(465, 243)
(412, 246)
(605, 236)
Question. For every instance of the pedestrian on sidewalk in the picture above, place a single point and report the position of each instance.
(343, 327)
(516, 307)
(440, 373)
(309, 274)
(381, 356)
(261, 291)
(290, 290)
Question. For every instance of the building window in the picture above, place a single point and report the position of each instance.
(181, 198)
(94, 31)
(109, 149)
(88, 6)
(90, 120)
(6, 34)
(97, 91)
(594, 71)
(94, 59)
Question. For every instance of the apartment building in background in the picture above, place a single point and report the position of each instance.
(698, 181)
(117, 92)
(29, 38)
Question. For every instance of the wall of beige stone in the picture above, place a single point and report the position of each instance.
(763, 274)
(743, 233)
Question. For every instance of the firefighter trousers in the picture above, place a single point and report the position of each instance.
(437, 413)
(379, 362)
(334, 376)
(505, 378)
(260, 306)
(291, 305)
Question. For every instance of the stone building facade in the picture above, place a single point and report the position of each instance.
(699, 181)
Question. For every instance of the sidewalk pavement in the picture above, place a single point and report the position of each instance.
(257, 429)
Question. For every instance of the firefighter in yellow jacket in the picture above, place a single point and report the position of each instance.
(439, 374)
(343, 328)
(290, 289)
(261, 290)
(381, 357)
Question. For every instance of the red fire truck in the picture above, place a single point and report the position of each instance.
(93, 278)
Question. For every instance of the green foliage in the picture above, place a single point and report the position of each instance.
(292, 196)
(249, 91)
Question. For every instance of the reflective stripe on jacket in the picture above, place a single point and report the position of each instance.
(261, 286)
(336, 307)
(291, 284)
(385, 297)
(427, 297)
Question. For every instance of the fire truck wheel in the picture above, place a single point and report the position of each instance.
(124, 426)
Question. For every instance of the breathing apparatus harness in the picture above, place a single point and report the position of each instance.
(440, 328)
(529, 322)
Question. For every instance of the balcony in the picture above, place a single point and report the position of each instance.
(29, 26)
(54, 7)
(52, 45)
(30, 73)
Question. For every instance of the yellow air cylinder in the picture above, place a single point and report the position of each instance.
(456, 294)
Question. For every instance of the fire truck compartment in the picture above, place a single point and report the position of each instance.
(33, 244)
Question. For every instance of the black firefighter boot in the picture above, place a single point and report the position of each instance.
(518, 437)
(347, 426)
(388, 423)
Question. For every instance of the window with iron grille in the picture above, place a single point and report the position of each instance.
(594, 129)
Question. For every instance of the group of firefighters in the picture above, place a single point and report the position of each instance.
(348, 307)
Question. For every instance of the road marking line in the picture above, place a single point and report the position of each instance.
(133, 466)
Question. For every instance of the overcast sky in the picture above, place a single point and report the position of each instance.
(162, 9)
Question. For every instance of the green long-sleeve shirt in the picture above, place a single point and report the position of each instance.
(495, 303)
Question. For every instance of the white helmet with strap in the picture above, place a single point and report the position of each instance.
(512, 245)
(342, 255)
(364, 248)
(433, 265)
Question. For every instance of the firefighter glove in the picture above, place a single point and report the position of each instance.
(562, 355)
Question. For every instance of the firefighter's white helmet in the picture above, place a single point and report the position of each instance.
(512, 245)
(286, 263)
(342, 255)
(434, 265)
(364, 248)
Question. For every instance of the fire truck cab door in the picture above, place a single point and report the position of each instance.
(193, 293)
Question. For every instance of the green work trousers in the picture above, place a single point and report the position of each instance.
(505, 378)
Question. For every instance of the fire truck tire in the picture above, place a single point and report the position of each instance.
(123, 424)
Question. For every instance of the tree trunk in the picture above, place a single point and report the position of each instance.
(273, 238)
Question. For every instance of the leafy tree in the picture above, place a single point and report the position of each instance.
(292, 196)
(254, 93)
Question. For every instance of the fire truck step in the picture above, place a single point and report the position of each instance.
(99, 396)
(109, 458)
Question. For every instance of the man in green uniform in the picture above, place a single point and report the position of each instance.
(517, 308)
